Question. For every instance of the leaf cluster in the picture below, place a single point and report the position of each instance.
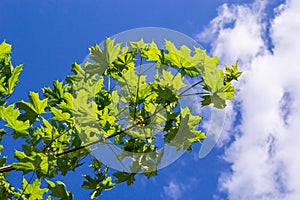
(126, 96)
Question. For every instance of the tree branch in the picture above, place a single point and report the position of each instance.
(6, 168)
(9, 168)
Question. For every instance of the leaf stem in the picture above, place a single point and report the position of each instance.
(198, 93)
(27, 185)
(137, 89)
(6, 168)
(195, 84)
(108, 82)
(10, 168)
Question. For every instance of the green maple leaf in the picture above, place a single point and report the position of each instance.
(214, 81)
(26, 163)
(199, 136)
(33, 191)
(169, 80)
(153, 53)
(97, 184)
(181, 58)
(20, 128)
(107, 183)
(177, 57)
(186, 133)
(78, 71)
(202, 61)
(124, 62)
(37, 104)
(229, 91)
(32, 109)
(57, 94)
(49, 131)
(10, 115)
(8, 74)
(139, 44)
(130, 80)
(59, 115)
(4, 49)
(42, 164)
(106, 56)
(85, 112)
(124, 176)
(30, 161)
(14, 79)
(164, 94)
(232, 73)
(59, 190)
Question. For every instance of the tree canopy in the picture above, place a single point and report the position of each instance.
(128, 102)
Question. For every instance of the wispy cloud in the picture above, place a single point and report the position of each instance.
(264, 156)
(236, 32)
(175, 190)
(235, 35)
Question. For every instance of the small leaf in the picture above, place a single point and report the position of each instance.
(182, 59)
(153, 53)
(169, 80)
(25, 163)
(106, 56)
(94, 185)
(139, 44)
(219, 89)
(24, 166)
(232, 73)
(59, 190)
(33, 191)
(32, 109)
(29, 114)
(38, 105)
(107, 184)
(11, 115)
(59, 114)
(150, 174)
(14, 79)
(4, 49)
(124, 176)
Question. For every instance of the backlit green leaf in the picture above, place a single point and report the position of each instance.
(232, 73)
(59, 190)
(181, 58)
(60, 115)
(4, 49)
(33, 191)
(106, 56)
(14, 79)
(107, 184)
(10, 115)
(124, 176)
(32, 109)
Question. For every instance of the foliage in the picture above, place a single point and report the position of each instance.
(112, 99)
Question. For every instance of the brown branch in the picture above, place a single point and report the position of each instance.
(9, 168)
(102, 139)
(6, 168)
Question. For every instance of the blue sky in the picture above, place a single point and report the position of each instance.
(254, 157)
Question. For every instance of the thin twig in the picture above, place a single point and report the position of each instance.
(26, 185)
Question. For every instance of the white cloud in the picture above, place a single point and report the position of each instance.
(175, 190)
(265, 164)
(172, 190)
(243, 41)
